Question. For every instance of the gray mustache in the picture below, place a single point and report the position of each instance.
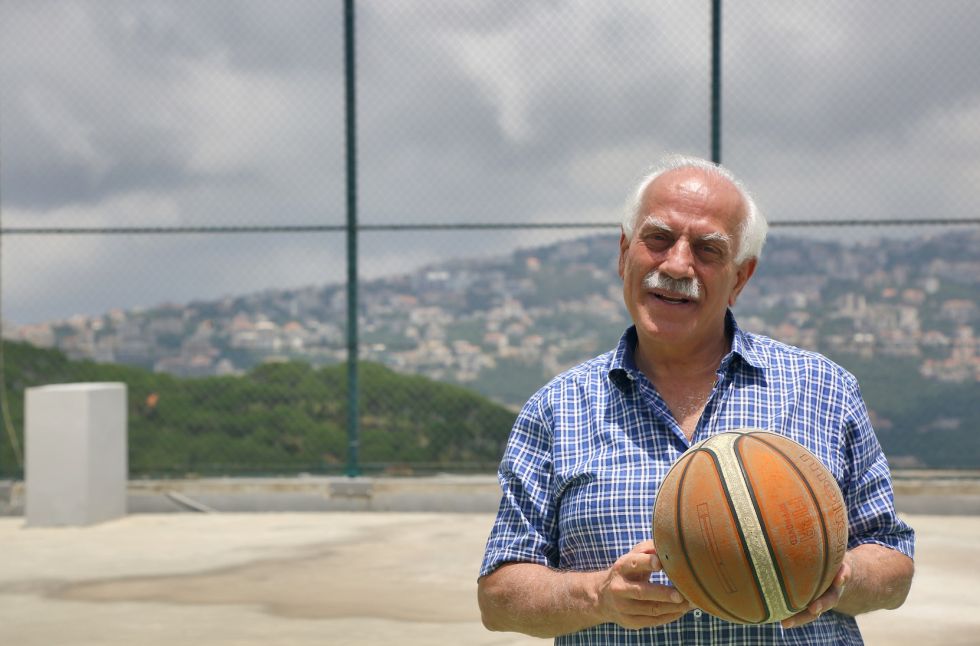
(687, 287)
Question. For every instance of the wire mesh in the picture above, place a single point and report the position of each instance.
(172, 199)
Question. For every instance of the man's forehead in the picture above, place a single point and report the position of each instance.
(690, 182)
(694, 190)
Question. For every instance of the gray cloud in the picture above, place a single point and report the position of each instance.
(826, 73)
(121, 113)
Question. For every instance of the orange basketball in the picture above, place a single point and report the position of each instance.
(750, 526)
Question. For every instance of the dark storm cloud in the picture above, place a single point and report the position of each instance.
(40, 175)
(101, 98)
(154, 112)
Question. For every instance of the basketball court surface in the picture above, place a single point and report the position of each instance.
(298, 579)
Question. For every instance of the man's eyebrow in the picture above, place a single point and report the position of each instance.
(653, 222)
(716, 237)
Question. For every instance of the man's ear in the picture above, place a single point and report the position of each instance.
(624, 245)
(743, 273)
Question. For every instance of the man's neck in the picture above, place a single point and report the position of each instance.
(683, 379)
(682, 364)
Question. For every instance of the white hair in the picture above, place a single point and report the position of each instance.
(751, 236)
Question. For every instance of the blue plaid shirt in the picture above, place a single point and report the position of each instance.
(589, 450)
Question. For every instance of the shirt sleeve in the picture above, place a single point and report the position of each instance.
(868, 489)
(525, 527)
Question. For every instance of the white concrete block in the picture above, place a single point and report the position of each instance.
(76, 464)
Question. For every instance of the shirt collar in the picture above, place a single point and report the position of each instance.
(622, 366)
(743, 345)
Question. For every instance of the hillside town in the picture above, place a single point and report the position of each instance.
(551, 307)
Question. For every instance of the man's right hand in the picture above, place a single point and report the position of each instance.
(628, 597)
(537, 600)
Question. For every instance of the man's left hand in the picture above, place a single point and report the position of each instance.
(827, 601)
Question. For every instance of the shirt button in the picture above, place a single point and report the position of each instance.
(697, 613)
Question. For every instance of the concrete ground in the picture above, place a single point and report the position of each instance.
(360, 578)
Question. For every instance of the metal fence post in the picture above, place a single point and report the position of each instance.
(716, 81)
(353, 469)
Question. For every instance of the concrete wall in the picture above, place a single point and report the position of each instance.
(76, 465)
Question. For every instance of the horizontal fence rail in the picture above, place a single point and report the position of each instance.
(431, 226)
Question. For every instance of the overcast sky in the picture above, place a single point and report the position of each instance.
(230, 112)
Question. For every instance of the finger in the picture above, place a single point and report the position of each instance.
(639, 607)
(799, 619)
(659, 593)
(636, 622)
(639, 565)
(810, 613)
(660, 613)
(646, 592)
(825, 602)
(831, 597)
(645, 547)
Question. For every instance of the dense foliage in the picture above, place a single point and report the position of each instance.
(920, 422)
(290, 417)
(278, 418)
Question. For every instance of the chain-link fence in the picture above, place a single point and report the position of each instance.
(173, 204)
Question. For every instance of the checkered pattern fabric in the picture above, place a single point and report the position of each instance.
(589, 450)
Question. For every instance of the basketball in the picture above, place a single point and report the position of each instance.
(750, 526)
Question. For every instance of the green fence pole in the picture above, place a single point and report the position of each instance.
(353, 441)
(716, 81)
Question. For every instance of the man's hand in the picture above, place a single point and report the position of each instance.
(628, 598)
(537, 600)
(872, 577)
(824, 602)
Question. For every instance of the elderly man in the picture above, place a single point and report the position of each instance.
(570, 554)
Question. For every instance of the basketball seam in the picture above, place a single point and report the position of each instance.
(780, 576)
(745, 548)
(680, 531)
(747, 513)
(823, 525)
(680, 527)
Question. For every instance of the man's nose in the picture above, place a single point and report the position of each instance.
(679, 262)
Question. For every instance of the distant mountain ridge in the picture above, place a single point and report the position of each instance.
(503, 326)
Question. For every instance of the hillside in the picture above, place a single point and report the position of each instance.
(277, 418)
(504, 325)
(901, 313)
(919, 422)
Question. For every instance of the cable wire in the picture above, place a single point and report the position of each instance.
(437, 226)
